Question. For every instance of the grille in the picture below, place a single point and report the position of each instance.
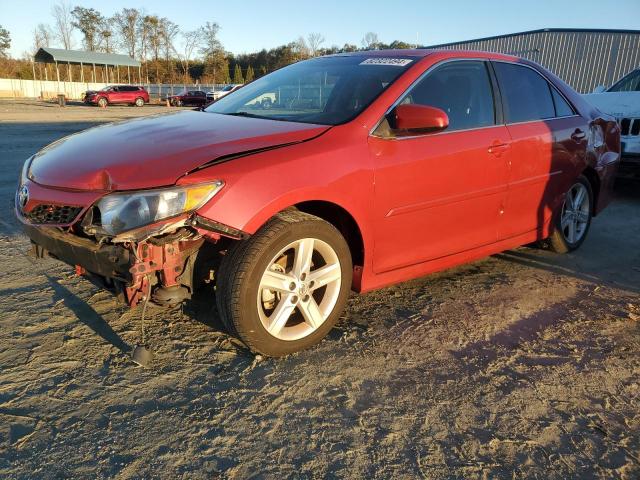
(630, 126)
(50, 214)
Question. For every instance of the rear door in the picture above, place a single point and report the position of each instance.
(441, 193)
(548, 141)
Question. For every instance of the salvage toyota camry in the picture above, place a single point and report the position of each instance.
(367, 169)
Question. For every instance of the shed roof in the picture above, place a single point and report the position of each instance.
(76, 57)
(541, 30)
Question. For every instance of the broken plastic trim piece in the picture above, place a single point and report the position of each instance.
(220, 228)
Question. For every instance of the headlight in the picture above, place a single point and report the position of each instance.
(120, 212)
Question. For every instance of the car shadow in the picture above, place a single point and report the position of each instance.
(87, 315)
(609, 256)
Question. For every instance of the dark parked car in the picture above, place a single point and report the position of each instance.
(188, 97)
(128, 94)
(380, 167)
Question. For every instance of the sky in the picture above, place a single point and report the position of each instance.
(250, 25)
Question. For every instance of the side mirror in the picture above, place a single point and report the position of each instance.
(419, 118)
(599, 89)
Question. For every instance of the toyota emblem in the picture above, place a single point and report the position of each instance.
(23, 196)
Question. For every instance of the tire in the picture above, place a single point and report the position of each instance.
(139, 102)
(572, 224)
(179, 103)
(306, 301)
(102, 102)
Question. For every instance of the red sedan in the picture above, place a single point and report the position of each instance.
(369, 169)
(195, 98)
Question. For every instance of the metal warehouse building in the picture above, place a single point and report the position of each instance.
(584, 58)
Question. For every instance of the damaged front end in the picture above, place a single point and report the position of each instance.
(125, 242)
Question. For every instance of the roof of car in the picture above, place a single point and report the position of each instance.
(423, 52)
(409, 52)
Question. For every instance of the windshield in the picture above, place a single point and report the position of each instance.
(629, 83)
(104, 89)
(325, 90)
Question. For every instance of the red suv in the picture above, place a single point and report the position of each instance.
(369, 169)
(129, 94)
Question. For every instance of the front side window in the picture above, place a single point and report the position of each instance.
(462, 89)
(526, 95)
(326, 90)
(629, 83)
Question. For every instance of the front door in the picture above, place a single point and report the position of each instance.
(441, 193)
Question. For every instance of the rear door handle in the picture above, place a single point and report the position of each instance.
(578, 135)
(498, 149)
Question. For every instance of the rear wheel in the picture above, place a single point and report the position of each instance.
(573, 223)
(139, 102)
(283, 289)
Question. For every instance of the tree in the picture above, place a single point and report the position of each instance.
(63, 24)
(370, 41)
(168, 33)
(314, 40)
(5, 42)
(42, 37)
(126, 26)
(249, 76)
(215, 60)
(237, 74)
(211, 44)
(107, 38)
(191, 41)
(301, 48)
(90, 22)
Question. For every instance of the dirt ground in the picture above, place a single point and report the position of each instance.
(521, 365)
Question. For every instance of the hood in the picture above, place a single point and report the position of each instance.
(617, 104)
(155, 151)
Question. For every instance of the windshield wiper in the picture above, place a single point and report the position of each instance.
(247, 114)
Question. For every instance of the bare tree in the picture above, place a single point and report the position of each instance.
(314, 40)
(42, 36)
(168, 33)
(63, 24)
(301, 49)
(107, 37)
(126, 25)
(216, 65)
(192, 41)
(370, 41)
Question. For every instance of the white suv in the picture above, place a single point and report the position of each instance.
(622, 100)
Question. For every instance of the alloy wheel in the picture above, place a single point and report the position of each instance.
(299, 289)
(575, 213)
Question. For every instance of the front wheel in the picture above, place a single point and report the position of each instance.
(283, 289)
(573, 223)
(102, 102)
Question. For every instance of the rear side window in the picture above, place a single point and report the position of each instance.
(526, 95)
(462, 89)
(563, 109)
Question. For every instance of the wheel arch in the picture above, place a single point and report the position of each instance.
(342, 220)
(594, 180)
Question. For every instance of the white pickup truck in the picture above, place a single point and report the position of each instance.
(622, 100)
